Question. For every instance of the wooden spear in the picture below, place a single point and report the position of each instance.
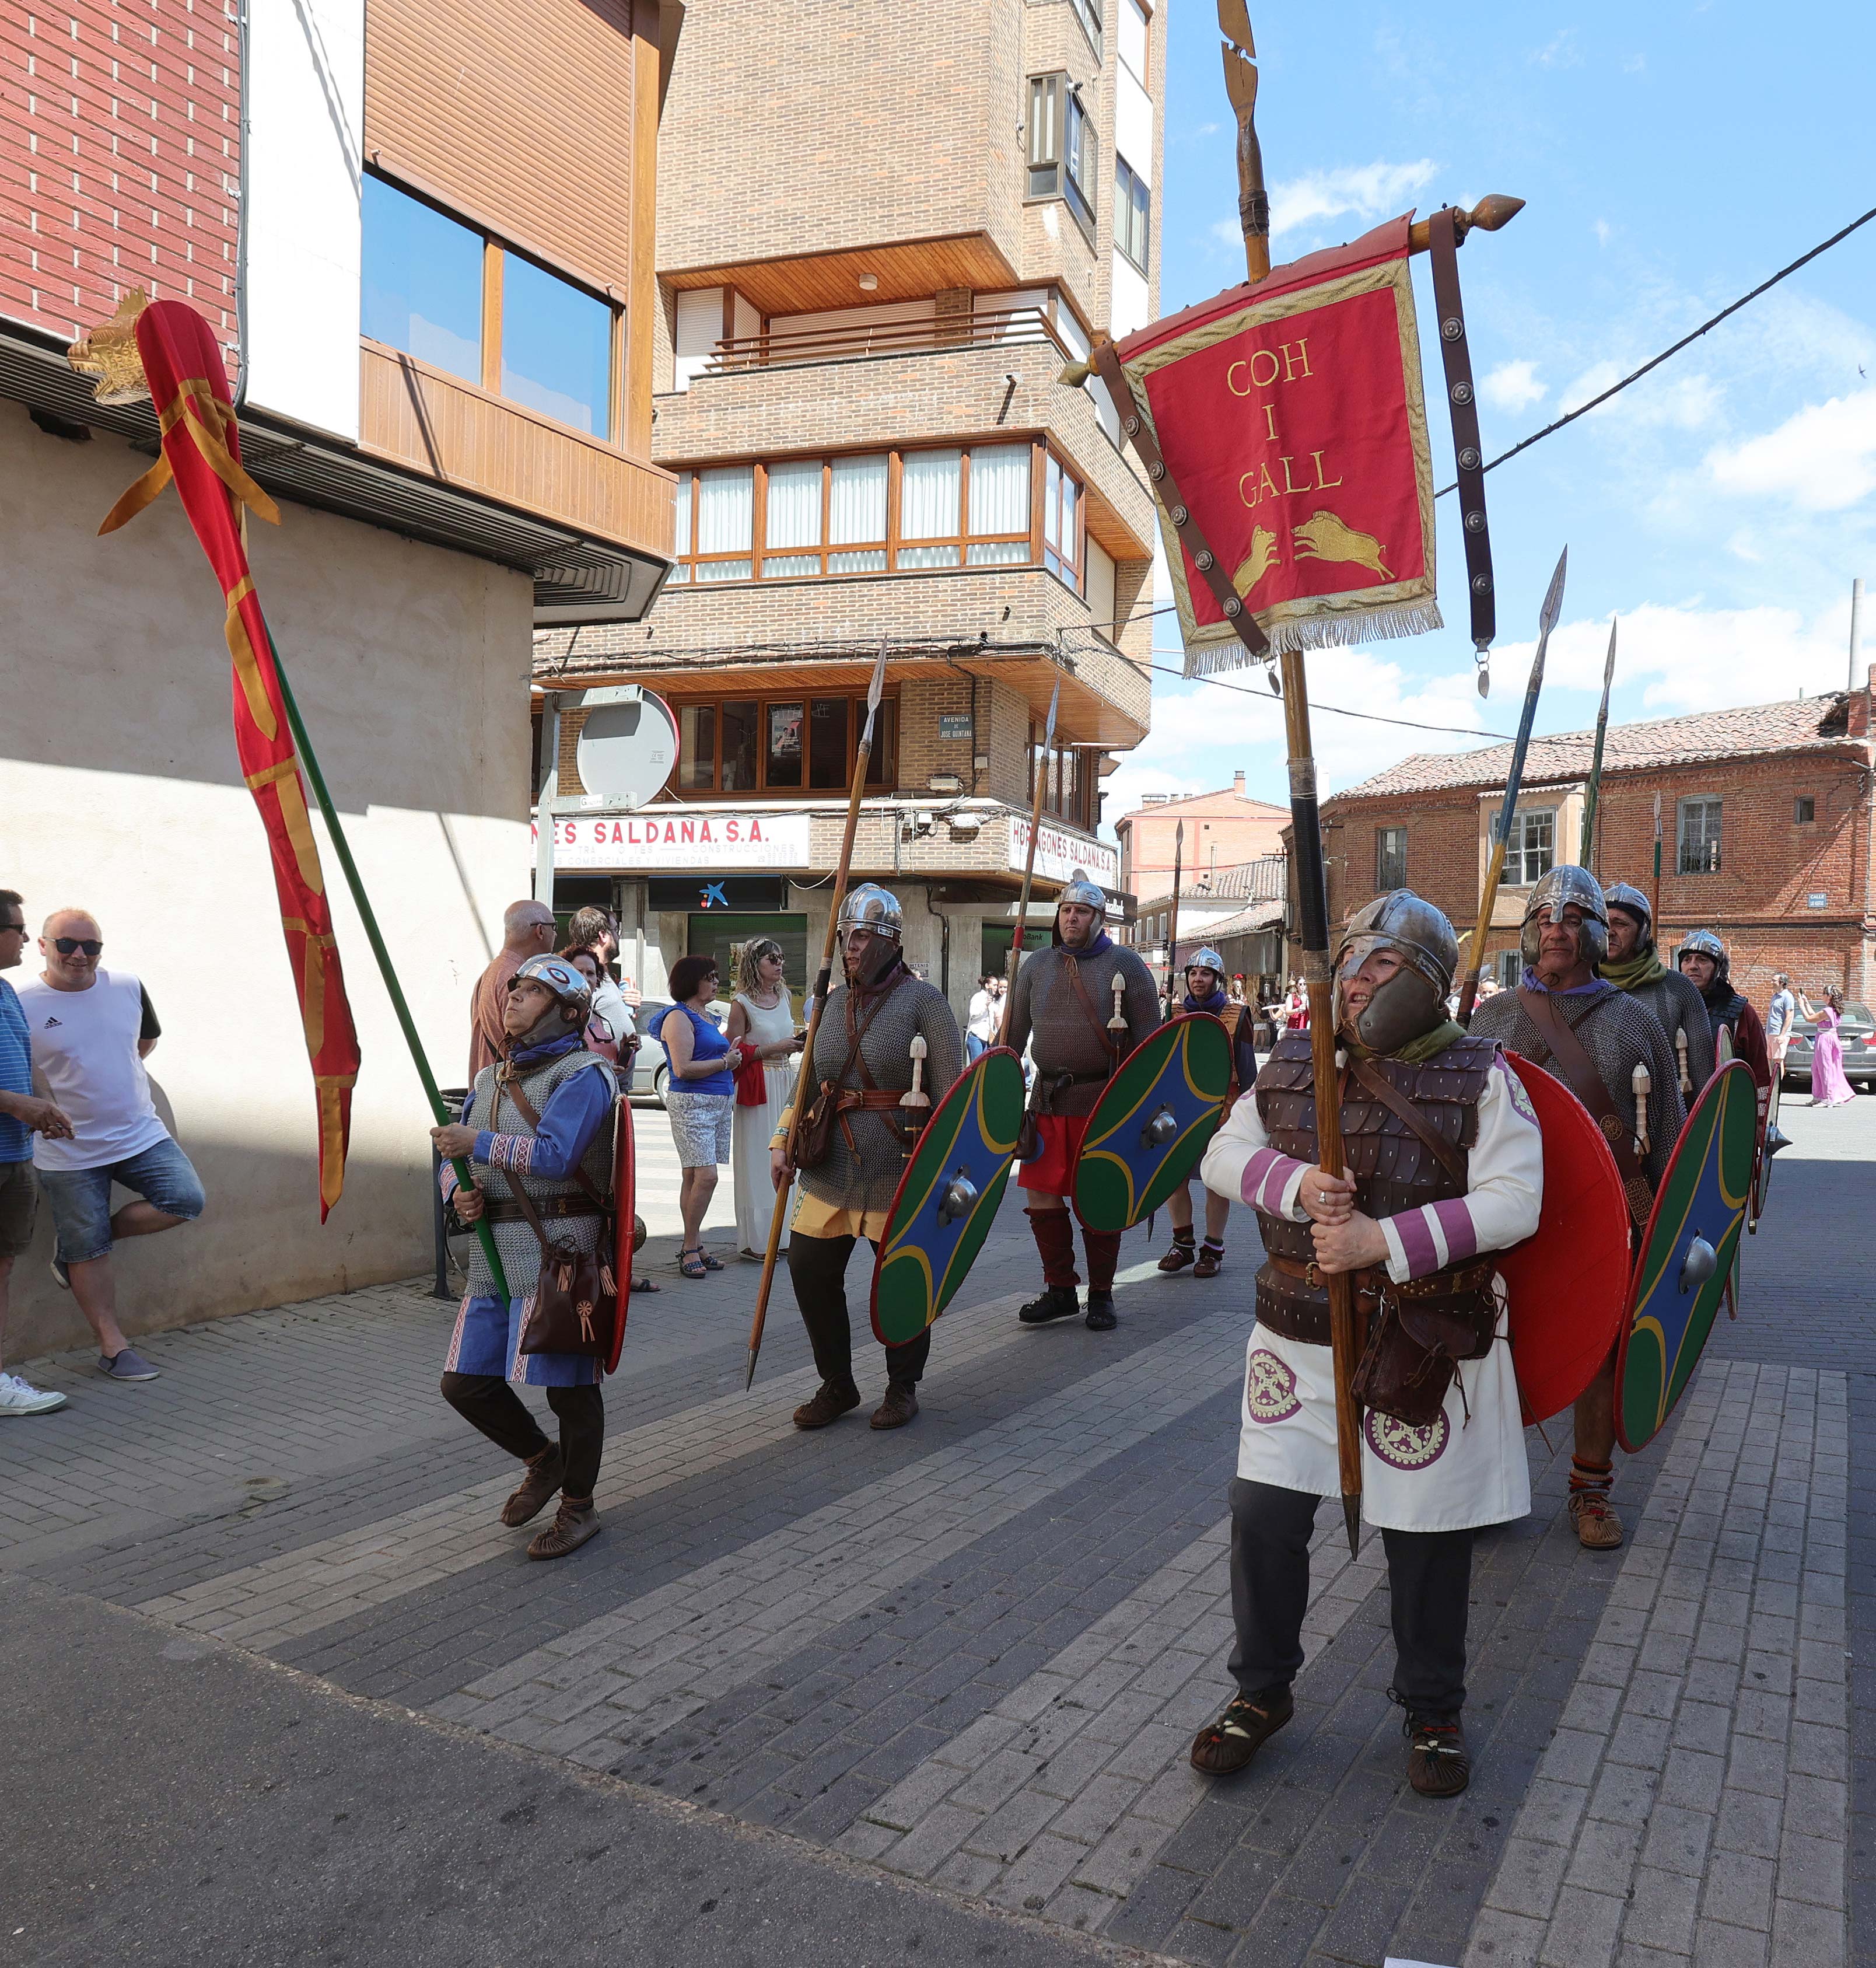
(1172, 928)
(804, 1070)
(1029, 861)
(1596, 763)
(1488, 896)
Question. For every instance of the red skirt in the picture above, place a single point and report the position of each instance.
(1052, 1171)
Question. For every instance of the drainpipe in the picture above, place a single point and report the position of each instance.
(245, 126)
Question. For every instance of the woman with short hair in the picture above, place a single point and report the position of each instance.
(598, 1035)
(698, 1097)
(761, 1031)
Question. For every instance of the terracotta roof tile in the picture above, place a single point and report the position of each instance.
(1793, 726)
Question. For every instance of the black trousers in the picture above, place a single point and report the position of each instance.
(818, 1265)
(490, 1404)
(1429, 1575)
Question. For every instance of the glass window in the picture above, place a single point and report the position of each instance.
(1045, 135)
(697, 746)
(784, 745)
(1532, 849)
(742, 743)
(856, 514)
(1390, 858)
(828, 764)
(1088, 13)
(1699, 837)
(794, 515)
(556, 347)
(1061, 524)
(725, 521)
(1078, 161)
(882, 762)
(1133, 208)
(685, 545)
(421, 289)
(930, 483)
(1804, 809)
(1134, 32)
(999, 504)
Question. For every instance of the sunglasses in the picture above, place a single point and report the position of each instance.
(66, 945)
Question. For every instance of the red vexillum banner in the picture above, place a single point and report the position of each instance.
(201, 453)
(1290, 417)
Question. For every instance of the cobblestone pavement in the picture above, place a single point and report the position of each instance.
(971, 1653)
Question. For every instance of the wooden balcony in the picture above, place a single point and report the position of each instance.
(855, 341)
(462, 436)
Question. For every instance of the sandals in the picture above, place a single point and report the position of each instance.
(1223, 1747)
(693, 1264)
(709, 1264)
(642, 1285)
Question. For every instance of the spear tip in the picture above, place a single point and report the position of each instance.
(1351, 1519)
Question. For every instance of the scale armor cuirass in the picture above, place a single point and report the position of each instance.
(866, 1175)
(1394, 1170)
(1726, 1015)
(519, 1251)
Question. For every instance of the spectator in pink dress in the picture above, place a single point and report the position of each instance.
(1829, 1088)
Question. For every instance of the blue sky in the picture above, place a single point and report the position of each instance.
(1672, 156)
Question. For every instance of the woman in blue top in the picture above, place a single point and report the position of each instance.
(702, 1108)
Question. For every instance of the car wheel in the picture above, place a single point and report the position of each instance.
(661, 1084)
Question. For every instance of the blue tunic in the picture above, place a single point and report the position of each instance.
(487, 1337)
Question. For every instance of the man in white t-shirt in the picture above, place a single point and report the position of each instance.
(90, 1031)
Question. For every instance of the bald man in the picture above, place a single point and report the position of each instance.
(527, 931)
(91, 1030)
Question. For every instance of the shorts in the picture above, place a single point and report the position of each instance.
(1052, 1171)
(80, 1199)
(19, 1206)
(701, 1125)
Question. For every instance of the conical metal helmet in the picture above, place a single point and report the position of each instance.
(1079, 888)
(556, 975)
(871, 907)
(1624, 895)
(1413, 1001)
(1205, 958)
(1705, 942)
(1567, 886)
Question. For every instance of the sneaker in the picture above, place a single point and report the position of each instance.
(60, 1276)
(19, 1397)
(128, 1365)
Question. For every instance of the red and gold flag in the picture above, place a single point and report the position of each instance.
(1290, 417)
(201, 453)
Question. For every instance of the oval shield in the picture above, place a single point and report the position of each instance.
(625, 1218)
(1567, 1282)
(1687, 1253)
(947, 1197)
(1153, 1121)
(1772, 1138)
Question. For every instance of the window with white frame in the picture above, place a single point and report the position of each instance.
(1699, 837)
(1531, 849)
(1061, 525)
(1135, 29)
(1133, 211)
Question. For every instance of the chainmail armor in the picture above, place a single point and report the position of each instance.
(1619, 1035)
(519, 1251)
(1045, 1008)
(1675, 1004)
(871, 1180)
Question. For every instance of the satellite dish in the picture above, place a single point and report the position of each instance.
(628, 746)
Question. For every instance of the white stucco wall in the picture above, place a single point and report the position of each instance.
(119, 792)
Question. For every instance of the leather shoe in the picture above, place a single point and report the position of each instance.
(1101, 1317)
(545, 1471)
(828, 1404)
(1056, 1302)
(1181, 1255)
(1211, 1262)
(899, 1407)
(1438, 1762)
(574, 1522)
(1598, 1527)
(1223, 1747)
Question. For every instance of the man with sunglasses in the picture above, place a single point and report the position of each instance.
(90, 1031)
(22, 1114)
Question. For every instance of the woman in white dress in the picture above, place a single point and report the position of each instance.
(760, 1016)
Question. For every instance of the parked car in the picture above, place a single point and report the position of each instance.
(1857, 1033)
(651, 1071)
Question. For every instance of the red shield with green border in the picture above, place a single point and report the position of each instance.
(1153, 1121)
(1567, 1283)
(948, 1197)
(1687, 1253)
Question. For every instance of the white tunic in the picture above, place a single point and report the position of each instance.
(1455, 1473)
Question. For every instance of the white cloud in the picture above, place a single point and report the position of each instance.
(1685, 402)
(1604, 232)
(1512, 386)
(1362, 191)
(1560, 51)
(1822, 458)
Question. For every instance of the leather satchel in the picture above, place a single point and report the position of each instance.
(576, 1296)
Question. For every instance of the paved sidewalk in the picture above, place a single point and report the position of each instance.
(968, 1656)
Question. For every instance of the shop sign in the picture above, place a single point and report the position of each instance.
(668, 838)
(1059, 854)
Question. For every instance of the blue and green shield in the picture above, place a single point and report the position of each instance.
(1687, 1253)
(948, 1197)
(1153, 1121)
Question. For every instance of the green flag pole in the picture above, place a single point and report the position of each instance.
(309, 759)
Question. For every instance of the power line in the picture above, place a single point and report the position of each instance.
(1615, 388)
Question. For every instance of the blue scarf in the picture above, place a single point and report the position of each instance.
(527, 1057)
(1594, 989)
(1103, 941)
(1215, 1003)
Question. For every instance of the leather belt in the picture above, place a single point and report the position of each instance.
(508, 1212)
(1443, 238)
(1310, 1323)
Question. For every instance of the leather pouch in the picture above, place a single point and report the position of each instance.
(1415, 1353)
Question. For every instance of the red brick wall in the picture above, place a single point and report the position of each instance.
(119, 157)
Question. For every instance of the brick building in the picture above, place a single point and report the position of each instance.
(431, 271)
(871, 268)
(1766, 833)
(1224, 830)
